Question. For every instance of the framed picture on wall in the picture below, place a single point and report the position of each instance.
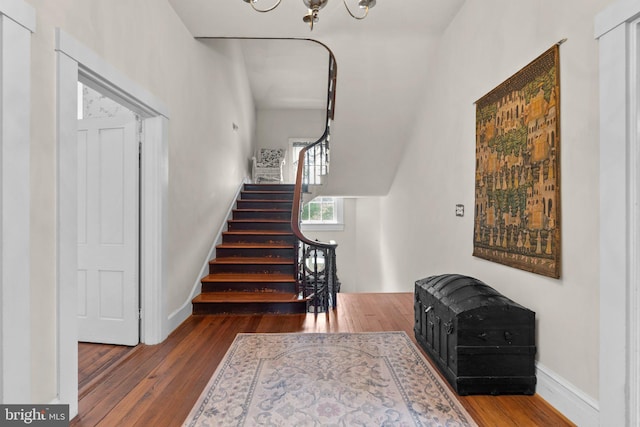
(517, 180)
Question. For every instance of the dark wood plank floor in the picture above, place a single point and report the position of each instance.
(158, 385)
(96, 361)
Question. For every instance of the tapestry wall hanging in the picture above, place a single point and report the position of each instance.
(517, 181)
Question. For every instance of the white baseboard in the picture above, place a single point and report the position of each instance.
(574, 404)
(180, 315)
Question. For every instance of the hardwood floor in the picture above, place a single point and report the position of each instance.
(158, 385)
(96, 361)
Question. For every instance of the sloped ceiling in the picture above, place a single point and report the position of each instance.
(383, 62)
(287, 73)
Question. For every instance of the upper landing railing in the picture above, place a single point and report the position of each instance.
(316, 261)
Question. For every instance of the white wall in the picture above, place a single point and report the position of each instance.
(488, 41)
(205, 90)
(358, 255)
(379, 84)
(275, 126)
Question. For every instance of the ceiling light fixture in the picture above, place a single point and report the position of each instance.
(314, 7)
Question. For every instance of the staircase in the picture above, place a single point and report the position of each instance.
(254, 270)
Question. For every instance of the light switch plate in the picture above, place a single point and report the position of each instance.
(459, 210)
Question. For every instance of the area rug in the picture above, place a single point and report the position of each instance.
(341, 379)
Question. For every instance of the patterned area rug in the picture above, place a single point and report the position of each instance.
(364, 379)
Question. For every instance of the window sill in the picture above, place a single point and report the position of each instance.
(322, 227)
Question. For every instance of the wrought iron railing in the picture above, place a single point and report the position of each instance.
(316, 261)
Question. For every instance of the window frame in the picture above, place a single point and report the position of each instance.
(337, 225)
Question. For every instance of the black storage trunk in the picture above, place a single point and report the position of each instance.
(480, 340)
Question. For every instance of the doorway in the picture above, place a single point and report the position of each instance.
(75, 62)
(618, 33)
(109, 136)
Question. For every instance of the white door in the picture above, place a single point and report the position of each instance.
(108, 204)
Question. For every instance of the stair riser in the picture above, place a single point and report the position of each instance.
(286, 287)
(252, 268)
(269, 187)
(265, 196)
(258, 238)
(257, 209)
(255, 252)
(250, 308)
(256, 226)
(282, 215)
(267, 204)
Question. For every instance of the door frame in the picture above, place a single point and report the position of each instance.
(617, 29)
(76, 62)
(17, 23)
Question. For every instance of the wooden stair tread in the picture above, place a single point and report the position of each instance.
(266, 192)
(248, 277)
(244, 297)
(267, 200)
(270, 184)
(260, 232)
(260, 210)
(261, 220)
(254, 267)
(247, 245)
(252, 260)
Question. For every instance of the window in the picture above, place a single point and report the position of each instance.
(323, 213)
(296, 146)
(321, 210)
(316, 166)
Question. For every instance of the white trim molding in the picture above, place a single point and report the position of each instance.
(566, 398)
(617, 32)
(20, 12)
(619, 13)
(17, 22)
(76, 62)
(154, 231)
(66, 243)
(98, 73)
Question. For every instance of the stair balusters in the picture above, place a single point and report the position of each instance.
(316, 261)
